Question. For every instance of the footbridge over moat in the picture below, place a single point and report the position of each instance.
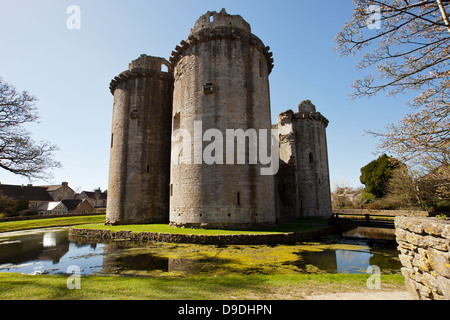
(371, 218)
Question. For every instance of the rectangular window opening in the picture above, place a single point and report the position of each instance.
(238, 198)
(112, 140)
(176, 122)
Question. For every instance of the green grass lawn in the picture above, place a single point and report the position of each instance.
(97, 222)
(15, 286)
(51, 222)
(299, 225)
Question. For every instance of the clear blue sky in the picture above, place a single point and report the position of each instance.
(70, 71)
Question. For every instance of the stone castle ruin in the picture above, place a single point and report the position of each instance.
(218, 78)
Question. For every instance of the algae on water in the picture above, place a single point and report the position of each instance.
(188, 259)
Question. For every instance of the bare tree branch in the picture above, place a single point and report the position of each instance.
(411, 52)
(19, 154)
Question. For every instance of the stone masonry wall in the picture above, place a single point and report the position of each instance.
(220, 81)
(230, 239)
(304, 157)
(139, 167)
(424, 245)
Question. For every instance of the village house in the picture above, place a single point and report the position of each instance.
(60, 192)
(69, 206)
(36, 196)
(53, 199)
(52, 208)
(96, 198)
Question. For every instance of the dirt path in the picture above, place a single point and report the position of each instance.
(369, 295)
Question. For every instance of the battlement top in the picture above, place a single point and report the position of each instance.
(214, 26)
(214, 19)
(306, 111)
(144, 67)
(306, 106)
(149, 63)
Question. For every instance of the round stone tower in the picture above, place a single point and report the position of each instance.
(139, 167)
(312, 161)
(303, 181)
(221, 83)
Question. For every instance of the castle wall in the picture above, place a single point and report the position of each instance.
(221, 79)
(217, 79)
(138, 189)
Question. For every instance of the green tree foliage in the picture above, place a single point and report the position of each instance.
(377, 173)
(11, 207)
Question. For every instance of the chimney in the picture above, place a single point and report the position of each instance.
(65, 184)
(98, 194)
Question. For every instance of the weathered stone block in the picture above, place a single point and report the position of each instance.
(444, 286)
(439, 262)
(425, 256)
(406, 260)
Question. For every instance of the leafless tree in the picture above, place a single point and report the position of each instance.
(19, 154)
(403, 189)
(409, 52)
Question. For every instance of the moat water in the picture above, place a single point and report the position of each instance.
(52, 251)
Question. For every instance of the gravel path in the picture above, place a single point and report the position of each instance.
(369, 295)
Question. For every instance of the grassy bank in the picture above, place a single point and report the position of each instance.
(47, 223)
(267, 287)
(97, 222)
(297, 226)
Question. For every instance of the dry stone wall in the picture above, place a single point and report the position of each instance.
(230, 239)
(424, 245)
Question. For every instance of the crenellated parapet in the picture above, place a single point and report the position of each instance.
(222, 18)
(138, 74)
(317, 116)
(143, 67)
(307, 111)
(223, 26)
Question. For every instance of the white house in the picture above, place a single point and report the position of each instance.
(53, 207)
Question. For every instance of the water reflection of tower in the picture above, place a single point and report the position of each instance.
(37, 246)
(55, 245)
(324, 260)
(116, 259)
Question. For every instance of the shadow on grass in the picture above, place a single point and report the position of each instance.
(203, 288)
(21, 287)
(46, 287)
